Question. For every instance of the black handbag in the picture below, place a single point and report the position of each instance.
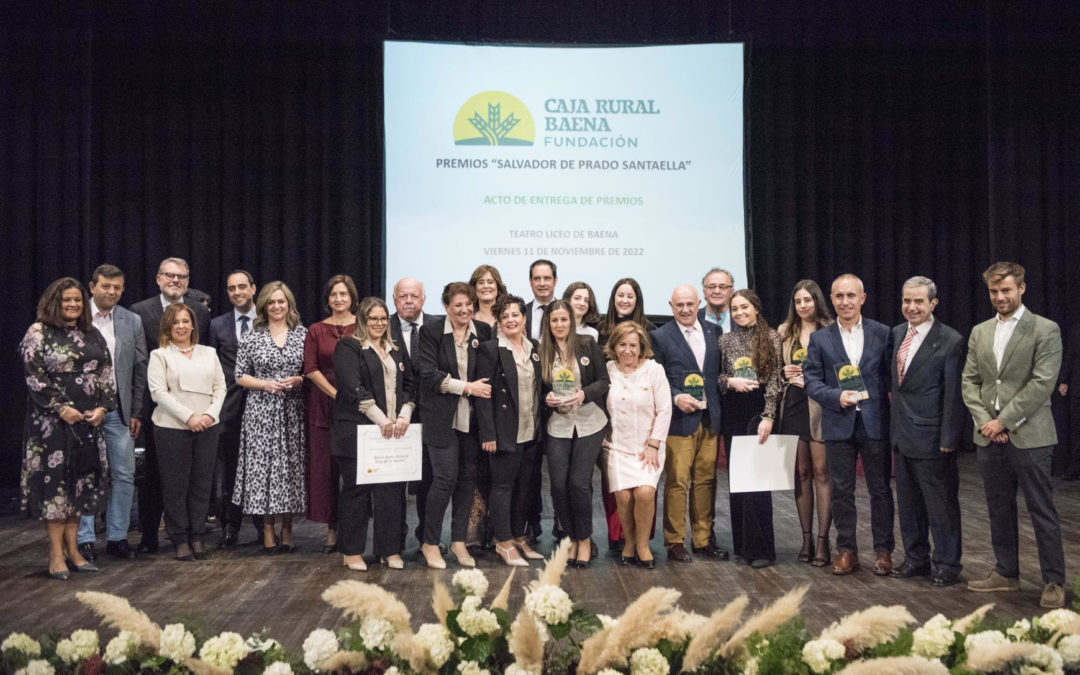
(83, 454)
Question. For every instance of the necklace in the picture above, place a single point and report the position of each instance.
(339, 329)
(182, 350)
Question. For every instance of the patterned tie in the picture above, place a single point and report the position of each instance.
(901, 354)
(414, 338)
(244, 328)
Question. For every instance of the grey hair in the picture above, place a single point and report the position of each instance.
(176, 261)
(848, 277)
(931, 287)
(714, 271)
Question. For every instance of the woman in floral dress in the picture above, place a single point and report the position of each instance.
(69, 375)
(271, 470)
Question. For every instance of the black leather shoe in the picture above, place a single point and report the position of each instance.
(678, 554)
(712, 551)
(907, 570)
(646, 564)
(147, 547)
(120, 549)
(228, 540)
(628, 560)
(87, 551)
(943, 578)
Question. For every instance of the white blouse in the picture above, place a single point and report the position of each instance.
(183, 387)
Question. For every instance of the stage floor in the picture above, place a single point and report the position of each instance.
(243, 591)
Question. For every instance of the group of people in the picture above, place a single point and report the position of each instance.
(499, 384)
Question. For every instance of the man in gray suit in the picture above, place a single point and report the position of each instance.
(1012, 367)
(927, 417)
(123, 332)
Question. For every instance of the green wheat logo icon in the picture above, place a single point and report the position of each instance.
(508, 121)
(494, 128)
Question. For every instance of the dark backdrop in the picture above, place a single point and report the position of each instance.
(887, 139)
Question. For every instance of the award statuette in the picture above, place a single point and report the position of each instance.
(798, 357)
(744, 367)
(694, 385)
(563, 383)
(850, 379)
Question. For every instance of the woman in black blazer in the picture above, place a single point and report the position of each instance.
(374, 387)
(575, 385)
(510, 425)
(447, 364)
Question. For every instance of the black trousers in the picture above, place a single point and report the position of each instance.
(570, 469)
(927, 496)
(841, 456)
(511, 474)
(534, 498)
(186, 463)
(453, 479)
(1004, 467)
(149, 497)
(381, 502)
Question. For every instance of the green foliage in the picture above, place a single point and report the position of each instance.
(584, 621)
(898, 646)
(452, 624)
(780, 653)
(559, 630)
(673, 652)
(1076, 593)
(476, 648)
(504, 619)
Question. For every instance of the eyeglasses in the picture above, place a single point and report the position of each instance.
(173, 276)
(719, 287)
(378, 319)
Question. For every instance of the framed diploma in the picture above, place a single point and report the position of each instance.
(762, 468)
(387, 460)
(850, 378)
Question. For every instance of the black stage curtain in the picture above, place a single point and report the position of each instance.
(882, 140)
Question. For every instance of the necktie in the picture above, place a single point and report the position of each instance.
(244, 328)
(414, 338)
(902, 353)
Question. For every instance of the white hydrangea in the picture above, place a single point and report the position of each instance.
(1069, 648)
(1056, 619)
(392, 670)
(472, 668)
(79, 646)
(648, 661)
(177, 643)
(225, 650)
(121, 648)
(21, 642)
(934, 638)
(475, 620)
(1043, 661)
(435, 638)
(751, 668)
(470, 582)
(984, 639)
(550, 604)
(609, 671)
(376, 633)
(1019, 630)
(37, 667)
(280, 668)
(819, 654)
(607, 621)
(515, 669)
(256, 644)
(319, 645)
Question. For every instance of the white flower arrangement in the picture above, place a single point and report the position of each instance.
(470, 582)
(37, 667)
(121, 648)
(934, 638)
(279, 668)
(1019, 630)
(550, 604)
(1044, 661)
(472, 668)
(648, 661)
(515, 669)
(79, 646)
(224, 650)
(475, 620)
(435, 638)
(983, 640)
(750, 667)
(21, 642)
(607, 621)
(319, 645)
(392, 670)
(257, 645)
(376, 633)
(609, 671)
(1069, 648)
(819, 654)
(1056, 619)
(177, 643)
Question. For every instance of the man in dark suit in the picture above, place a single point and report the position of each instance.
(717, 286)
(927, 418)
(689, 351)
(226, 331)
(543, 277)
(172, 279)
(405, 325)
(854, 419)
(1011, 369)
(124, 336)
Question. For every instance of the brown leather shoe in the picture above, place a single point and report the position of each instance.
(882, 563)
(678, 553)
(847, 562)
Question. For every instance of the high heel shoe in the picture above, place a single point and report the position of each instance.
(805, 556)
(504, 553)
(62, 575)
(199, 551)
(359, 565)
(824, 554)
(432, 557)
(464, 559)
(523, 547)
(393, 562)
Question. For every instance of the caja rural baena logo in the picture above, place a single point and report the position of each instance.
(494, 118)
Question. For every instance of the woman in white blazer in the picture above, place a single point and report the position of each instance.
(187, 384)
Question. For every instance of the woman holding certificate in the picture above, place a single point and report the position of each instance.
(509, 424)
(575, 379)
(750, 382)
(374, 386)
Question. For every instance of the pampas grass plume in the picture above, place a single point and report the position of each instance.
(997, 657)
(502, 600)
(525, 641)
(200, 667)
(897, 665)
(872, 626)
(612, 646)
(339, 661)
(119, 614)
(556, 565)
(441, 601)
(407, 648)
(964, 625)
(358, 600)
(717, 627)
(767, 620)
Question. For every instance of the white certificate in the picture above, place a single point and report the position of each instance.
(762, 468)
(387, 460)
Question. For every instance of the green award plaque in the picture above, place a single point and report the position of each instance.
(694, 385)
(563, 383)
(744, 367)
(850, 379)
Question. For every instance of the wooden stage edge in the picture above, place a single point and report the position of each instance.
(240, 590)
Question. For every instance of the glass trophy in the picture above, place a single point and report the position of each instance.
(563, 383)
(798, 357)
(850, 379)
(744, 367)
(694, 385)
